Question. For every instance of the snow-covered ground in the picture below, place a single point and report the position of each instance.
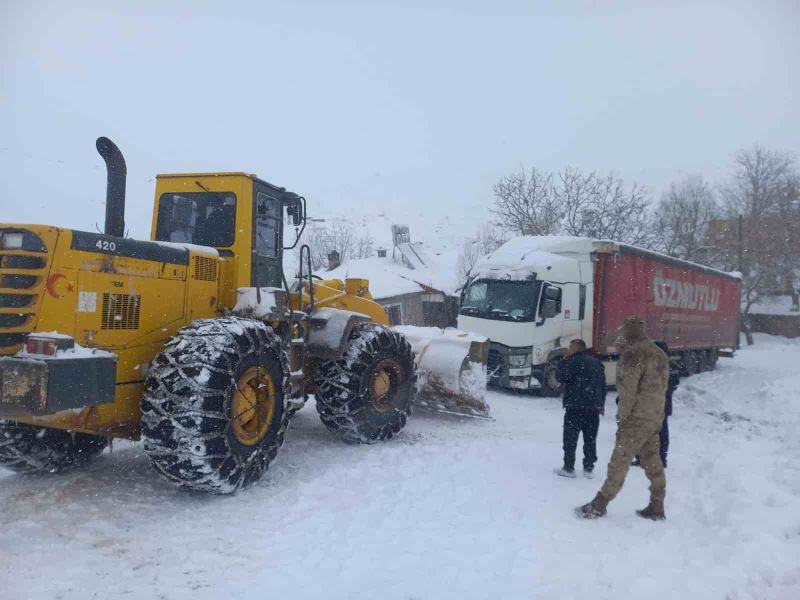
(452, 508)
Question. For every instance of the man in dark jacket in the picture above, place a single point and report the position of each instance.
(584, 382)
(674, 381)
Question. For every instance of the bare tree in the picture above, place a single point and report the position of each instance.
(524, 203)
(763, 198)
(682, 219)
(574, 203)
(759, 180)
(341, 236)
(364, 246)
(603, 207)
(487, 240)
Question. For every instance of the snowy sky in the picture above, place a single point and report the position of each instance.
(363, 104)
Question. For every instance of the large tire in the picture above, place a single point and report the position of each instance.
(29, 449)
(691, 365)
(551, 386)
(367, 395)
(702, 361)
(203, 428)
(713, 356)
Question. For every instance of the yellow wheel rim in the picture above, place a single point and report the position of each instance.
(253, 406)
(385, 384)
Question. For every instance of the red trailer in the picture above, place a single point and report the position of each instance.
(694, 309)
(534, 294)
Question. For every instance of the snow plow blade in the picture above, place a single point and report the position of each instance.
(451, 370)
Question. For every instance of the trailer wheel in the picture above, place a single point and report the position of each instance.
(713, 357)
(29, 449)
(214, 410)
(690, 363)
(551, 386)
(366, 396)
(702, 361)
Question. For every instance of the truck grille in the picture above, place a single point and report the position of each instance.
(23, 274)
(493, 361)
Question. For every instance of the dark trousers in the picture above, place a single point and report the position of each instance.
(577, 421)
(664, 436)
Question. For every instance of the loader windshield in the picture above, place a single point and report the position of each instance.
(501, 300)
(202, 218)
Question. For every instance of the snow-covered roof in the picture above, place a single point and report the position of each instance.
(521, 257)
(514, 250)
(388, 278)
(774, 305)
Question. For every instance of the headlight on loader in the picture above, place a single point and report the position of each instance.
(12, 241)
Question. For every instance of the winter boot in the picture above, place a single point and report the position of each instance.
(595, 509)
(565, 472)
(653, 511)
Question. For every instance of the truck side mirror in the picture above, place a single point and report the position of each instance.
(551, 302)
(549, 309)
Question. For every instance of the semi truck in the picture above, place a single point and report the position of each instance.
(535, 294)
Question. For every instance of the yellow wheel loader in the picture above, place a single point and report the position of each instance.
(193, 342)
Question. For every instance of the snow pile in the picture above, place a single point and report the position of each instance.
(211, 252)
(421, 334)
(450, 508)
(259, 303)
(528, 256)
(444, 373)
(522, 257)
(441, 353)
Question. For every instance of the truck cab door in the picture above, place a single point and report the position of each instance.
(267, 268)
(571, 302)
(549, 321)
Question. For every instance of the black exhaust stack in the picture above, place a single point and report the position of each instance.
(115, 189)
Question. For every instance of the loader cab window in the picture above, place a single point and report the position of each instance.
(267, 236)
(268, 225)
(201, 218)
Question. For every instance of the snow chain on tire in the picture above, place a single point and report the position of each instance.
(343, 386)
(29, 449)
(189, 394)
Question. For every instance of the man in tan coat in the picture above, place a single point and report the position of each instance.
(642, 377)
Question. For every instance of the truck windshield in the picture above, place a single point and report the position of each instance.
(202, 218)
(501, 300)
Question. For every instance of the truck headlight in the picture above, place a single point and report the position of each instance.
(519, 360)
(12, 241)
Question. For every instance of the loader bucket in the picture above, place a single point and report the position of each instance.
(451, 370)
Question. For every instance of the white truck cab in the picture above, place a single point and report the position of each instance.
(530, 298)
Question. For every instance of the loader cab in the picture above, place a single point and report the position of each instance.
(236, 213)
